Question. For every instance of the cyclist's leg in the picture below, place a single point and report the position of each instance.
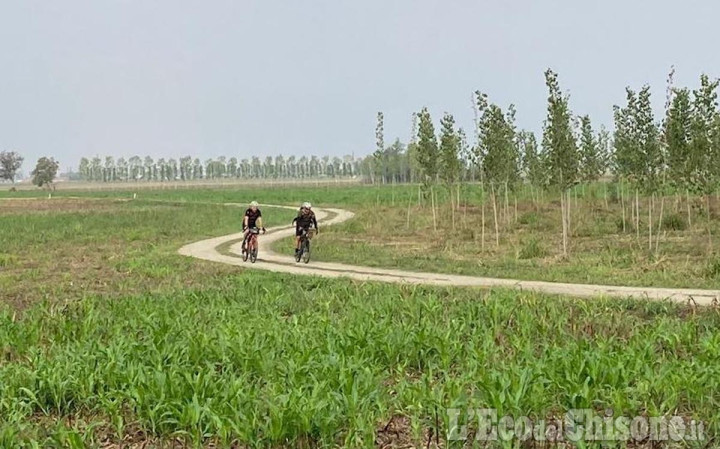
(298, 233)
(245, 239)
(305, 239)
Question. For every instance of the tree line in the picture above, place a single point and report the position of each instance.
(187, 168)
(678, 154)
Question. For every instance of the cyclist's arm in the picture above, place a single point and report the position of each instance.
(314, 221)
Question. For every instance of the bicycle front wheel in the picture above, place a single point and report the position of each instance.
(306, 252)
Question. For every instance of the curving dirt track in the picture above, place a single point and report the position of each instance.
(271, 261)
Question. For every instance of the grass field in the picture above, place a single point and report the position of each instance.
(109, 338)
(63, 249)
(530, 249)
(394, 229)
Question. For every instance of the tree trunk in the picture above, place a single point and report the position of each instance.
(660, 223)
(432, 205)
(622, 203)
(710, 241)
(465, 212)
(576, 195)
(650, 208)
(507, 206)
(632, 206)
(637, 214)
(497, 229)
(532, 195)
(457, 203)
(452, 206)
(408, 212)
(482, 230)
(568, 231)
(564, 223)
(687, 195)
(605, 195)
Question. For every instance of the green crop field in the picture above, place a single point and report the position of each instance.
(108, 338)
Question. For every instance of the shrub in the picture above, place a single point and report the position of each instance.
(629, 225)
(467, 234)
(713, 268)
(532, 249)
(529, 218)
(674, 222)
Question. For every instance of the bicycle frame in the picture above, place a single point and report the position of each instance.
(304, 248)
(251, 245)
(252, 242)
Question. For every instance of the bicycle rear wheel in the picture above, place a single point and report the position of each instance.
(306, 252)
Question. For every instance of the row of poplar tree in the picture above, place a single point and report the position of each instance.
(188, 169)
(681, 151)
(648, 157)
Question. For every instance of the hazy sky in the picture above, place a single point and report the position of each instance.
(262, 77)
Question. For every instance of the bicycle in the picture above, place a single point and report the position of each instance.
(304, 253)
(251, 246)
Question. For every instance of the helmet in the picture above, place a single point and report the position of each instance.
(254, 204)
(306, 205)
